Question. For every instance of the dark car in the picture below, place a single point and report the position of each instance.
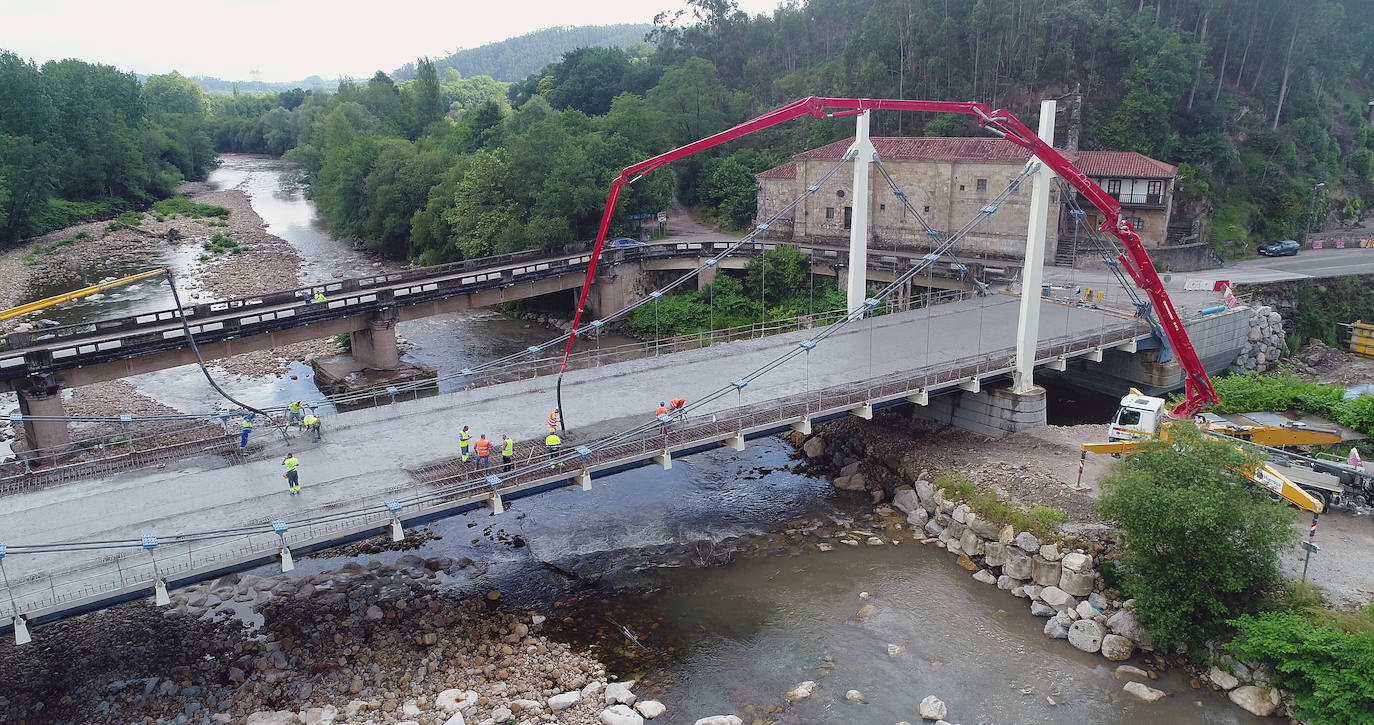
(625, 243)
(1285, 248)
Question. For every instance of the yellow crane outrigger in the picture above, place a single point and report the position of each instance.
(1139, 420)
(47, 302)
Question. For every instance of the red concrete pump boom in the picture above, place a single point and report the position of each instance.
(1197, 386)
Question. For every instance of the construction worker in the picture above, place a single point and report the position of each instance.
(293, 481)
(553, 418)
(318, 298)
(483, 448)
(294, 412)
(662, 411)
(247, 427)
(312, 423)
(555, 446)
(464, 440)
(676, 405)
(507, 454)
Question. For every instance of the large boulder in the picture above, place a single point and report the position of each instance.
(1041, 609)
(904, 499)
(1045, 573)
(814, 447)
(1050, 552)
(918, 519)
(1125, 624)
(1077, 583)
(1144, 692)
(455, 700)
(1017, 564)
(1076, 562)
(1223, 679)
(971, 543)
(1057, 598)
(650, 709)
(1028, 543)
(934, 528)
(994, 553)
(931, 708)
(986, 529)
(1115, 647)
(926, 494)
(565, 700)
(957, 529)
(1085, 634)
(1006, 536)
(1253, 699)
(856, 482)
(801, 691)
(1055, 628)
(618, 693)
(620, 715)
(984, 576)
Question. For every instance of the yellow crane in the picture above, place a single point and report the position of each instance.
(47, 302)
(1140, 419)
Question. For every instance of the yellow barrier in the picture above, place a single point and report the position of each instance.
(1362, 339)
(22, 310)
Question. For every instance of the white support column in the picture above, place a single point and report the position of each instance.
(863, 153)
(1028, 325)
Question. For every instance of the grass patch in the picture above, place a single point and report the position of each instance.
(185, 207)
(1043, 521)
(221, 243)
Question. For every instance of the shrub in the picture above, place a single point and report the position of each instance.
(1325, 663)
(1199, 543)
(185, 207)
(130, 218)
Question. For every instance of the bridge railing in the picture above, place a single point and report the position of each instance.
(450, 481)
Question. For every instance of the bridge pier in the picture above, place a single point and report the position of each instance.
(993, 412)
(44, 436)
(705, 277)
(375, 348)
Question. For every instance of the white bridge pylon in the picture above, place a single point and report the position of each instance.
(862, 152)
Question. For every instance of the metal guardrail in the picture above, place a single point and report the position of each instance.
(123, 574)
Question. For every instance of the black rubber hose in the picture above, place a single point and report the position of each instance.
(186, 328)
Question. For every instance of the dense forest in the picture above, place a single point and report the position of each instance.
(515, 58)
(79, 140)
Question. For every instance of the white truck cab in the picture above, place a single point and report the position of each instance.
(1139, 416)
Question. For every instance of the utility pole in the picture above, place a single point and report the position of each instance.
(1028, 324)
(862, 152)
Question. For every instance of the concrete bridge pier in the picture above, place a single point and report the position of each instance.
(375, 347)
(993, 412)
(44, 437)
(705, 277)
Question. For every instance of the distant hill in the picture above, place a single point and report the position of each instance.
(515, 58)
(216, 85)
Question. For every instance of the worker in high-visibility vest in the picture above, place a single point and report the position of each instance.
(294, 413)
(662, 411)
(245, 428)
(554, 444)
(553, 418)
(483, 449)
(318, 298)
(507, 454)
(464, 440)
(312, 423)
(293, 481)
(676, 405)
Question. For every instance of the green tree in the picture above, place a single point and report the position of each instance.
(425, 91)
(1324, 663)
(1199, 544)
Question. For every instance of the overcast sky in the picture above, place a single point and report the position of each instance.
(287, 40)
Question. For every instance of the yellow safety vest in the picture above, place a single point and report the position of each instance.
(552, 440)
(291, 463)
(463, 438)
(509, 449)
(310, 420)
(248, 424)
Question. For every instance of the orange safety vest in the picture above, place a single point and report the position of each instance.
(553, 419)
(677, 403)
(483, 446)
(661, 411)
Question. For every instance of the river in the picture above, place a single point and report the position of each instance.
(724, 638)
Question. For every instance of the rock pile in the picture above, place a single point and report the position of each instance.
(1265, 343)
(360, 644)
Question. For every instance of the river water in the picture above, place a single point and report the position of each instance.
(724, 638)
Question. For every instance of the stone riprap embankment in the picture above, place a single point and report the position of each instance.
(1264, 344)
(367, 643)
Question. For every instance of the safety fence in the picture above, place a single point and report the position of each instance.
(450, 485)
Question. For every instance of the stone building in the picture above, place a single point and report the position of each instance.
(947, 181)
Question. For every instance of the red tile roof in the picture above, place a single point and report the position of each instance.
(786, 171)
(899, 148)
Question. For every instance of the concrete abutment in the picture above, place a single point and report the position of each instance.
(44, 437)
(992, 412)
(375, 347)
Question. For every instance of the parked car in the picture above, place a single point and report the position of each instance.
(1284, 248)
(625, 243)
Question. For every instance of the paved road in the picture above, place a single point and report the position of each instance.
(367, 452)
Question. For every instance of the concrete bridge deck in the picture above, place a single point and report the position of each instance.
(379, 454)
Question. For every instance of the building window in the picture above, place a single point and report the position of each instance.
(961, 187)
(839, 193)
(848, 217)
(1114, 188)
(830, 212)
(925, 209)
(1154, 192)
(1137, 223)
(882, 207)
(982, 185)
